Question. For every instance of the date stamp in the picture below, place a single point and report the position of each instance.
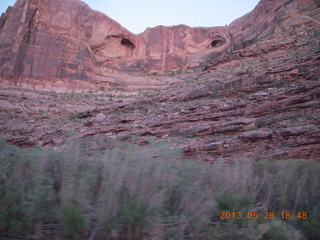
(263, 215)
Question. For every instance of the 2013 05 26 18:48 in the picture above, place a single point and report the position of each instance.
(263, 215)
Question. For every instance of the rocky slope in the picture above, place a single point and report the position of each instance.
(255, 96)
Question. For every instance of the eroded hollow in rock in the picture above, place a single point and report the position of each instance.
(126, 42)
(114, 47)
(217, 43)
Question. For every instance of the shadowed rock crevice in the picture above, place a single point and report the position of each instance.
(128, 43)
(217, 43)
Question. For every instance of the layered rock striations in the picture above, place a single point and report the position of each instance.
(259, 102)
(65, 44)
(256, 94)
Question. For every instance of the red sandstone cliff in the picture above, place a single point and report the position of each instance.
(271, 17)
(256, 94)
(70, 45)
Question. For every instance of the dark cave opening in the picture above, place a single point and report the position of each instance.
(128, 43)
(216, 43)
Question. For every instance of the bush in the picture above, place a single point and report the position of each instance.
(230, 202)
(72, 222)
(277, 231)
(99, 189)
(130, 219)
(311, 227)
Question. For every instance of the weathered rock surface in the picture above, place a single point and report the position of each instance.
(260, 99)
(63, 45)
(262, 106)
(100, 117)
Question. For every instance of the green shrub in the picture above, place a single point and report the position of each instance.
(280, 84)
(130, 219)
(231, 202)
(276, 232)
(311, 226)
(73, 222)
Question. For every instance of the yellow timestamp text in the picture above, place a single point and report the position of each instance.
(263, 215)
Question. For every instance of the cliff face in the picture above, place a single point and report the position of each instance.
(271, 17)
(256, 94)
(67, 40)
(63, 43)
(52, 40)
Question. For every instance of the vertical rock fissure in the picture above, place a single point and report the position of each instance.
(165, 52)
(3, 20)
(30, 26)
(18, 69)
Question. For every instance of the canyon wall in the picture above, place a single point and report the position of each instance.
(66, 43)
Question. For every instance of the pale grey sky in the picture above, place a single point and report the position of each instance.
(137, 15)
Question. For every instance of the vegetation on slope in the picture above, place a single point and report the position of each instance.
(99, 189)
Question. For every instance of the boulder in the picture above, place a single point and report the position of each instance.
(253, 136)
(100, 117)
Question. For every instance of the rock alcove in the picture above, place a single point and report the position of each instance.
(114, 47)
(126, 42)
(216, 43)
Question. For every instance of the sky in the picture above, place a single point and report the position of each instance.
(138, 15)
